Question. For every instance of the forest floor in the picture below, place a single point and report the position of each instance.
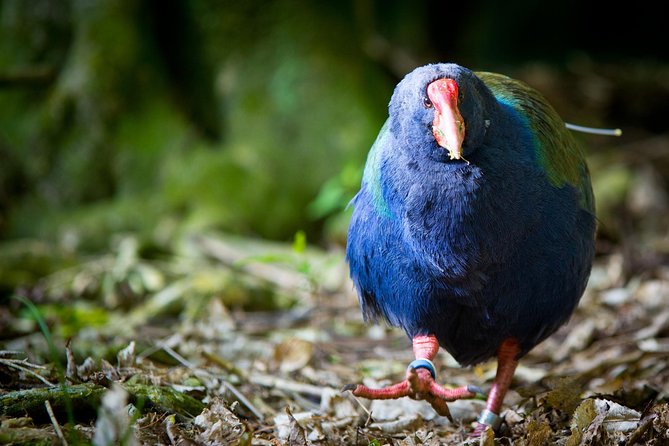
(230, 341)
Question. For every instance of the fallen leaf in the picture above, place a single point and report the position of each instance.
(296, 436)
(220, 426)
(594, 434)
(565, 394)
(595, 419)
(618, 418)
(126, 357)
(538, 432)
(293, 354)
(113, 425)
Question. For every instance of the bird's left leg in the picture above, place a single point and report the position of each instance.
(507, 362)
(420, 381)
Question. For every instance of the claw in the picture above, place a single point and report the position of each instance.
(350, 387)
(479, 430)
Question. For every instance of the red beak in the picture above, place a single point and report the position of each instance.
(448, 126)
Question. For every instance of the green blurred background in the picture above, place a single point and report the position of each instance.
(162, 118)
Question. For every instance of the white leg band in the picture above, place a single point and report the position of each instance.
(490, 419)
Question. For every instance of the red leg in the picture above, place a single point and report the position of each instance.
(506, 366)
(419, 382)
(425, 347)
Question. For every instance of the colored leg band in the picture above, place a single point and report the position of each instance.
(490, 419)
(424, 364)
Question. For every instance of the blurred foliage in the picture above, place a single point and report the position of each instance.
(220, 128)
(122, 116)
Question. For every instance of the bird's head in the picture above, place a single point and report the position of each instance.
(441, 109)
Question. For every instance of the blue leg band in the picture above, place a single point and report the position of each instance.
(424, 364)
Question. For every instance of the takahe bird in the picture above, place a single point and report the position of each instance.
(474, 228)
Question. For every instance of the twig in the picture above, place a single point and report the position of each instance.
(56, 426)
(244, 400)
(25, 361)
(291, 386)
(149, 351)
(159, 419)
(406, 422)
(176, 438)
(367, 411)
(340, 423)
(227, 366)
(4, 353)
(14, 363)
(243, 262)
(177, 356)
(170, 429)
(641, 430)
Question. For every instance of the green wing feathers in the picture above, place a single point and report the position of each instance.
(371, 177)
(557, 150)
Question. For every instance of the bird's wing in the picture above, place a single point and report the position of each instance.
(371, 178)
(558, 152)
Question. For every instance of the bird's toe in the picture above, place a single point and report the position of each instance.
(348, 387)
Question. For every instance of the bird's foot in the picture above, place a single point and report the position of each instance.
(419, 384)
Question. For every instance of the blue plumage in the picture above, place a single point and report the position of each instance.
(495, 245)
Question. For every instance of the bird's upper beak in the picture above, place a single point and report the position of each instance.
(448, 126)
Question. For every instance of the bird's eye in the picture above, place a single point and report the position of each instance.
(427, 103)
(461, 96)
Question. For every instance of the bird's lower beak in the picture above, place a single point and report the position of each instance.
(448, 126)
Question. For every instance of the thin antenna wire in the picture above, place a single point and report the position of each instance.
(594, 131)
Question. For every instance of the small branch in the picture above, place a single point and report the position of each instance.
(362, 406)
(242, 399)
(16, 364)
(226, 365)
(85, 399)
(56, 426)
(641, 430)
(403, 423)
(183, 361)
(176, 437)
(4, 353)
(290, 386)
